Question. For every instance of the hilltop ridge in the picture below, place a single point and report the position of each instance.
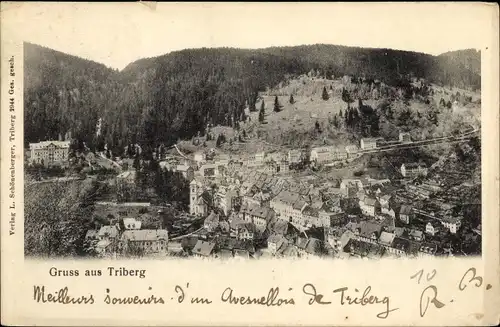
(175, 96)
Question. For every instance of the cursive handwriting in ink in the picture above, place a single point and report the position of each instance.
(309, 289)
(365, 299)
(60, 296)
(271, 299)
(478, 279)
(180, 291)
(152, 299)
(430, 293)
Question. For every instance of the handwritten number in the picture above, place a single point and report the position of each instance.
(477, 279)
(420, 273)
(430, 299)
(431, 275)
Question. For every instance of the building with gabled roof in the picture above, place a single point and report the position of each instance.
(386, 239)
(211, 221)
(400, 246)
(108, 232)
(186, 171)
(368, 231)
(144, 241)
(416, 234)
(203, 248)
(246, 231)
(368, 143)
(49, 152)
(256, 214)
(369, 206)
(294, 156)
(274, 242)
(452, 223)
(433, 228)
(405, 213)
(131, 223)
(428, 249)
(414, 169)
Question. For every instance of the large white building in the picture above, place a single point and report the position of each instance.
(49, 152)
(294, 156)
(414, 169)
(368, 143)
(328, 153)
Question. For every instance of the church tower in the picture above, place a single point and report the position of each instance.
(193, 197)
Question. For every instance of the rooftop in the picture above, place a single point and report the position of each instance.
(386, 238)
(182, 168)
(370, 201)
(44, 144)
(256, 210)
(414, 165)
(108, 231)
(203, 248)
(145, 235)
(367, 228)
(405, 209)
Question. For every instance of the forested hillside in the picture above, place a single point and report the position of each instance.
(62, 93)
(159, 100)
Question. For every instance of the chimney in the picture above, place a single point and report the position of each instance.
(59, 137)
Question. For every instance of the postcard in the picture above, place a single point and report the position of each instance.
(235, 164)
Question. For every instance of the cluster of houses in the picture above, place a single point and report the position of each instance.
(127, 238)
(252, 211)
(211, 165)
(247, 203)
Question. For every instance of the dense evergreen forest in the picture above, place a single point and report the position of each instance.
(159, 100)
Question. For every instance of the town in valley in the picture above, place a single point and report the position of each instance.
(316, 165)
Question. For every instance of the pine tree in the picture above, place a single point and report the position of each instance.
(325, 95)
(252, 102)
(262, 112)
(335, 121)
(277, 106)
(292, 101)
(219, 141)
(341, 114)
(346, 97)
(137, 163)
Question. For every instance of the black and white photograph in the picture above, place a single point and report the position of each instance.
(292, 147)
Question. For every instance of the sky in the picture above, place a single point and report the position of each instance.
(118, 34)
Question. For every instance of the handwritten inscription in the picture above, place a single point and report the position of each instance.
(61, 296)
(151, 299)
(469, 277)
(365, 299)
(430, 294)
(310, 295)
(270, 300)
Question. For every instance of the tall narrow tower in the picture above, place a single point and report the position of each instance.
(193, 197)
